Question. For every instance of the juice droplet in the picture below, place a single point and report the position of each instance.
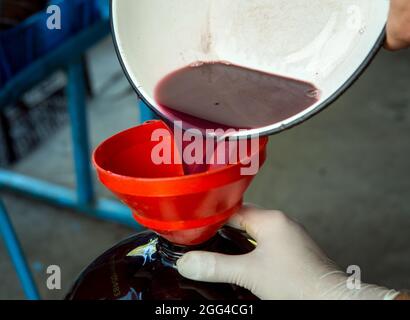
(313, 93)
(197, 64)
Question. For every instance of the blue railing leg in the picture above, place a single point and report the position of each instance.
(76, 95)
(17, 255)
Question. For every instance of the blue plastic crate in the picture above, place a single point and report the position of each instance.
(31, 39)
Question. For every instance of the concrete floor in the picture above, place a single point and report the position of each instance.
(344, 174)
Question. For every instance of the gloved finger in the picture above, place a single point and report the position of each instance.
(237, 221)
(253, 220)
(213, 267)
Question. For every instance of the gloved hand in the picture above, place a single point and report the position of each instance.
(398, 25)
(286, 264)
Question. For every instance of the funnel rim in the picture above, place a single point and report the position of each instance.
(170, 179)
(263, 141)
(169, 186)
(173, 186)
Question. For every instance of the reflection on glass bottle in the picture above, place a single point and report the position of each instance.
(143, 268)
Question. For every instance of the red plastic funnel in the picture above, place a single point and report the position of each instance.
(184, 209)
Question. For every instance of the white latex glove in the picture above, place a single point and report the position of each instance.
(286, 264)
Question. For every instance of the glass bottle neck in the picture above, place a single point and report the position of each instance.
(170, 253)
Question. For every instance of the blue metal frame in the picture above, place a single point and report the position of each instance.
(57, 59)
(17, 255)
(78, 117)
(145, 112)
(57, 195)
(82, 199)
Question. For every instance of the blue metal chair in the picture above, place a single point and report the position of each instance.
(68, 57)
